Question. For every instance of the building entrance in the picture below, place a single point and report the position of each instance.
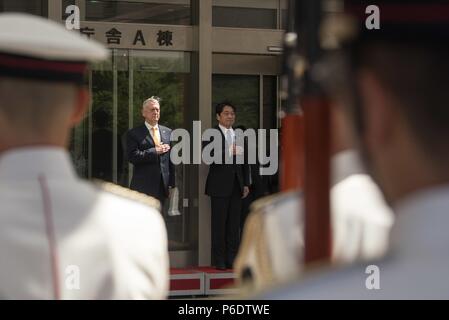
(118, 87)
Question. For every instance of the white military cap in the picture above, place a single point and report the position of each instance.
(38, 48)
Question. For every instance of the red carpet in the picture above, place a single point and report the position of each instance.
(200, 281)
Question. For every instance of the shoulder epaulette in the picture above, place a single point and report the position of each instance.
(128, 193)
(273, 199)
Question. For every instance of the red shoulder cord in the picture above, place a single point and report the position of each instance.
(50, 231)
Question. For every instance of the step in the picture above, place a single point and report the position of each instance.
(198, 281)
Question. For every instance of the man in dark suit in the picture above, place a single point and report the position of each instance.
(226, 185)
(148, 149)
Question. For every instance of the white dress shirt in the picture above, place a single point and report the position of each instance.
(229, 137)
(154, 129)
(225, 132)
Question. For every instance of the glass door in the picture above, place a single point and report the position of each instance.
(243, 92)
(118, 87)
(255, 97)
(166, 75)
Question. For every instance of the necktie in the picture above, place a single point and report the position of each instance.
(229, 141)
(156, 139)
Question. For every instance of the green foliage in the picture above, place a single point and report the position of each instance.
(243, 92)
(169, 87)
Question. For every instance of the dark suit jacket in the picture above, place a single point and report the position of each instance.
(221, 177)
(149, 167)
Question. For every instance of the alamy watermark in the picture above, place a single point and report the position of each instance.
(72, 277)
(73, 20)
(373, 20)
(210, 147)
(372, 282)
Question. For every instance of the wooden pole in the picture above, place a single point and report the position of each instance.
(316, 132)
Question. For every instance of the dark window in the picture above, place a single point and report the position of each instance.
(65, 4)
(136, 12)
(36, 7)
(240, 17)
(269, 102)
(284, 19)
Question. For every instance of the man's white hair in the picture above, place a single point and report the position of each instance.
(151, 99)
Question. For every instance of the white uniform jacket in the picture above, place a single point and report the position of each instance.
(273, 242)
(64, 238)
(416, 268)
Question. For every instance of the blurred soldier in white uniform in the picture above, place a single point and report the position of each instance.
(62, 237)
(398, 106)
(273, 243)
